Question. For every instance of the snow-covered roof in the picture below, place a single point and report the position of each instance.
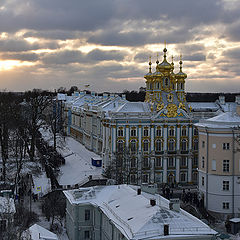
(78, 164)
(223, 120)
(134, 107)
(133, 215)
(61, 96)
(197, 106)
(39, 233)
(7, 205)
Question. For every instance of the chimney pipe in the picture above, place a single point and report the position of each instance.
(152, 202)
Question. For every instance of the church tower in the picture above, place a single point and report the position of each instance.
(165, 90)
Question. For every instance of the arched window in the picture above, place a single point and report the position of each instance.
(133, 132)
(195, 144)
(171, 132)
(184, 145)
(183, 177)
(133, 146)
(120, 132)
(184, 131)
(159, 132)
(145, 145)
(120, 146)
(145, 132)
(158, 145)
(171, 145)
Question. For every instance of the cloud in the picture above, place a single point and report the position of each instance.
(17, 45)
(20, 56)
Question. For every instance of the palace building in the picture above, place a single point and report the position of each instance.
(145, 142)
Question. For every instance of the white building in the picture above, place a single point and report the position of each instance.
(7, 211)
(36, 232)
(125, 212)
(219, 162)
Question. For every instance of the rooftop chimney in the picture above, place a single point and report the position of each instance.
(166, 229)
(152, 202)
(139, 191)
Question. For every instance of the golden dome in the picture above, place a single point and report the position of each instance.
(164, 65)
(181, 74)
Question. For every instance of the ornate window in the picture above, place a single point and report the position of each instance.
(133, 132)
(184, 145)
(120, 132)
(183, 161)
(158, 145)
(145, 145)
(158, 162)
(159, 132)
(133, 146)
(195, 144)
(171, 162)
(120, 146)
(184, 131)
(171, 145)
(145, 132)
(171, 132)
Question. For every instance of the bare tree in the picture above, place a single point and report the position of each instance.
(34, 109)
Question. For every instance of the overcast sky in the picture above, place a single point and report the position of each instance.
(106, 43)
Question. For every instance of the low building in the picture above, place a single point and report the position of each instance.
(126, 212)
(36, 232)
(219, 162)
(7, 211)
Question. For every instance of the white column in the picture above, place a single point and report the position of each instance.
(164, 170)
(152, 138)
(165, 138)
(190, 138)
(139, 138)
(177, 169)
(152, 173)
(114, 138)
(178, 138)
(127, 136)
(189, 169)
(104, 140)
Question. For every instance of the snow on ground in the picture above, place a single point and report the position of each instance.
(42, 184)
(78, 160)
(78, 164)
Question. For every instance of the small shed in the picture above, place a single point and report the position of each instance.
(235, 225)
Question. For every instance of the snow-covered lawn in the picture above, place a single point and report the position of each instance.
(78, 160)
(78, 165)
